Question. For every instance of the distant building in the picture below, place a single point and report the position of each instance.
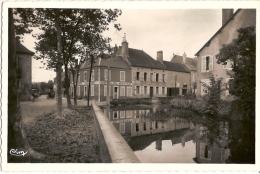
(120, 79)
(206, 60)
(191, 64)
(154, 78)
(24, 70)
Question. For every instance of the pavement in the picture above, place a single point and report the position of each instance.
(31, 110)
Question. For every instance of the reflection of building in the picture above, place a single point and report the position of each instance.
(206, 60)
(158, 144)
(24, 70)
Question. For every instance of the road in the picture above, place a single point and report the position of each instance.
(31, 110)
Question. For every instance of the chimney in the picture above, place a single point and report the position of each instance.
(115, 50)
(124, 50)
(226, 15)
(160, 56)
(184, 58)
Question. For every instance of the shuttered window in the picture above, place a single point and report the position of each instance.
(204, 89)
(122, 91)
(206, 63)
(129, 91)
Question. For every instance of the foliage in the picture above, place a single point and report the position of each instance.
(213, 91)
(241, 51)
(131, 101)
(68, 140)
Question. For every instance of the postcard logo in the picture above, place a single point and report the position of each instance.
(16, 152)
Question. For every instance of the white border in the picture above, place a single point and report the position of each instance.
(121, 167)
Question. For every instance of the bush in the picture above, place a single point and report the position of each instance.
(131, 101)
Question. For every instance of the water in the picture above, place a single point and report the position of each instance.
(158, 134)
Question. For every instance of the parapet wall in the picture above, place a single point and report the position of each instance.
(112, 146)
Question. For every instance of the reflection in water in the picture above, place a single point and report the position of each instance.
(159, 134)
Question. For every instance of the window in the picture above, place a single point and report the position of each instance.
(145, 76)
(122, 128)
(105, 74)
(137, 89)
(137, 127)
(92, 90)
(137, 76)
(122, 76)
(206, 63)
(163, 78)
(92, 76)
(157, 78)
(105, 90)
(156, 124)
(205, 151)
(85, 90)
(122, 91)
(115, 115)
(151, 76)
(122, 114)
(163, 90)
(129, 91)
(85, 76)
(78, 91)
(228, 64)
(128, 114)
(144, 126)
(157, 90)
(145, 90)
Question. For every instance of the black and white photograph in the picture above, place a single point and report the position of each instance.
(130, 86)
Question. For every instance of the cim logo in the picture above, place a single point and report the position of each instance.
(16, 152)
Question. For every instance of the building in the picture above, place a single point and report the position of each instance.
(191, 64)
(24, 70)
(133, 73)
(114, 71)
(154, 78)
(206, 60)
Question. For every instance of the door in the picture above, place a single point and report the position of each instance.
(151, 91)
(115, 92)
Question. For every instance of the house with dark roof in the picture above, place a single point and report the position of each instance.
(24, 70)
(111, 75)
(206, 60)
(191, 64)
(154, 77)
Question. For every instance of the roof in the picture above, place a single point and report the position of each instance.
(207, 43)
(113, 62)
(191, 63)
(139, 58)
(22, 49)
(179, 67)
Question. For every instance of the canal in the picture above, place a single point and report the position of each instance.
(160, 134)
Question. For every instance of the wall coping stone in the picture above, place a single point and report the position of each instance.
(118, 149)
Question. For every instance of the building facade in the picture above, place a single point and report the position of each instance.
(206, 60)
(110, 76)
(191, 64)
(24, 70)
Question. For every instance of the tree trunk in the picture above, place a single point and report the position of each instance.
(59, 65)
(67, 85)
(75, 94)
(90, 73)
(17, 138)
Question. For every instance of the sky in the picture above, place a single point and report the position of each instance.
(173, 31)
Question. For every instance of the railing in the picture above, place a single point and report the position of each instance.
(112, 146)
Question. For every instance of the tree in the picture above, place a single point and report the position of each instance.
(213, 91)
(77, 28)
(241, 52)
(17, 138)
